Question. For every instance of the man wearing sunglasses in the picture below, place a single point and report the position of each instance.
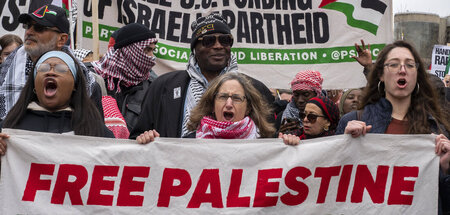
(172, 96)
(46, 29)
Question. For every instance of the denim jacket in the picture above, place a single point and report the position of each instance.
(379, 116)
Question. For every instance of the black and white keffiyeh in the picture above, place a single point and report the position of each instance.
(292, 111)
(80, 54)
(197, 86)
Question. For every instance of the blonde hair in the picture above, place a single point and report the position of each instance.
(259, 110)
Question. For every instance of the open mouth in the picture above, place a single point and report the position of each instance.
(50, 87)
(218, 56)
(401, 83)
(228, 116)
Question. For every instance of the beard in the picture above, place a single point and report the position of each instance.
(41, 48)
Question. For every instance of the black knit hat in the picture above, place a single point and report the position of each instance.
(131, 33)
(48, 15)
(213, 23)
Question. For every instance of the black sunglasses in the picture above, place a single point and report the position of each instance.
(312, 118)
(39, 28)
(209, 40)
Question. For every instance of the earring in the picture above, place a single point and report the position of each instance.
(379, 83)
(326, 128)
(34, 90)
(418, 88)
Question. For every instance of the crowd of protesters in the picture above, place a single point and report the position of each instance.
(47, 87)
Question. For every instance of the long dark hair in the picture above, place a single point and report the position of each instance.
(86, 119)
(423, 99)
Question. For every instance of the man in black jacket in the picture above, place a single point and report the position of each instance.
(172, 96)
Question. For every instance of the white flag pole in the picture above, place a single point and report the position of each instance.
(71, 24)
(95, 39)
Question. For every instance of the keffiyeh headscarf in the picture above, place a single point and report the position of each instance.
(129, 64)
(213, 129)
(307, 80)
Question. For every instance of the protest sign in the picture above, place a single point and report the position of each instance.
(375, 174)
(273, 40)
(439, 60)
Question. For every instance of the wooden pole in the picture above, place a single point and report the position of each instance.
(95, 39)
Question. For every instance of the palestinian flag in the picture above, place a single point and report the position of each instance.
(62, 4)
(65, 5)
(363, 14)
(42, 11)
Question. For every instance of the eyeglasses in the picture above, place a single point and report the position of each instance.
(39, 28)
(236, 98)
(395, 67)
(209, 40)
(60, 68)
(312, 118)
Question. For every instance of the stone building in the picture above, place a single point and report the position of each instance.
(424, 30)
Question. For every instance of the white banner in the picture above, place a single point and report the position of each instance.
(273, 40)
(439, 60)
(65, 174)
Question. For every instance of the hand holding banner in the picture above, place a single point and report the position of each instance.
(375, 174)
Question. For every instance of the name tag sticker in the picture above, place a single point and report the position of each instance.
(177, 93)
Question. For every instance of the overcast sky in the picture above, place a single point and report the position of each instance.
(440, 7)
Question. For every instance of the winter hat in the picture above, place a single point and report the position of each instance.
(112, 39)
(132, 33)
(213, 23)
(329, 109)
(307, 80)
(49, 16)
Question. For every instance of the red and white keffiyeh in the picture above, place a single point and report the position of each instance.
(114, 120)
(307, 80)
(212, 129)
(129, 64)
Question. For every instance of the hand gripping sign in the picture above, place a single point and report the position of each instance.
(392, 174)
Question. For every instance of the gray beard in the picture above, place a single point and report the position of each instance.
(36, 52)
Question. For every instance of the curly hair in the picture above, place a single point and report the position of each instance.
(259, 109)
(423, 103)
